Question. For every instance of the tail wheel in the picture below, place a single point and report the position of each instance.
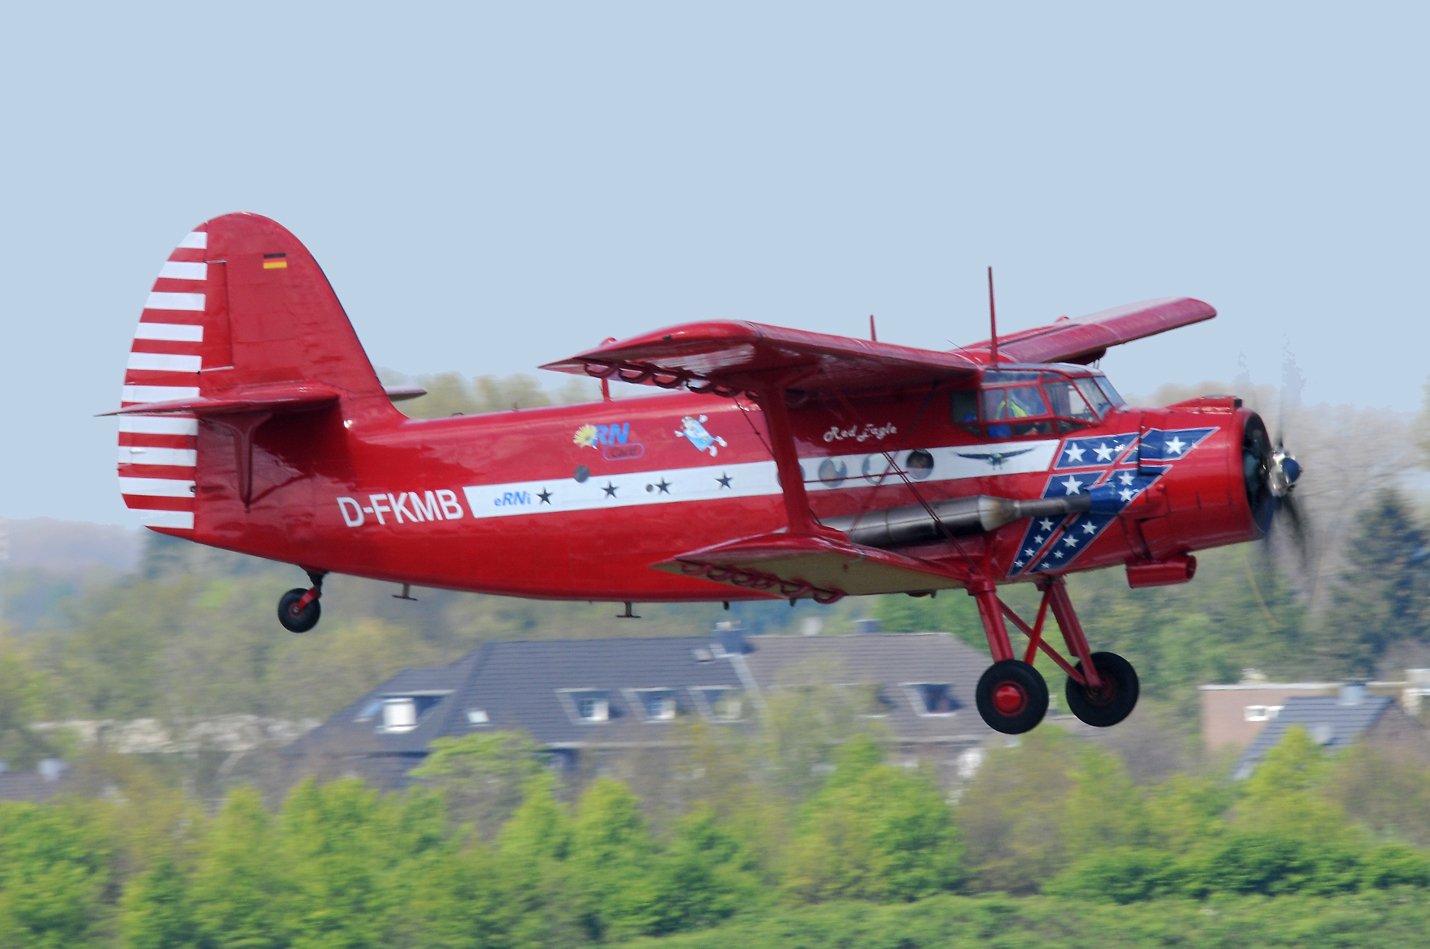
(1111, 703)
(1012, 697)
(295, 617)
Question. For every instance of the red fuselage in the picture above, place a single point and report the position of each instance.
(577, 502)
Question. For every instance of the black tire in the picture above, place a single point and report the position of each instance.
(299, 622)
(1114, 701)
(1012, 697)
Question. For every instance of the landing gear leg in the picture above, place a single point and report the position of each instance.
(1012, 696)
(1102, 688)
(298, 609)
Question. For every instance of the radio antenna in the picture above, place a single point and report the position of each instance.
(992, 322)
(873, 336)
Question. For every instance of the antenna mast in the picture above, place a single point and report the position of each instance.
(992, 322)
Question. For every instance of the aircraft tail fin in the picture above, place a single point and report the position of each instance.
(240, 307)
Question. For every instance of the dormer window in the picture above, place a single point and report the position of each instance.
(402, 713)
(399, 715)
(720, 703)
(931, 699)
(592, 709)
(587, 706)
(657, 705)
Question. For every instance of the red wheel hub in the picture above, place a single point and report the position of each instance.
(1009, 699)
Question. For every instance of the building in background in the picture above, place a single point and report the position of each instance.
(587, 702)
(1352, 715)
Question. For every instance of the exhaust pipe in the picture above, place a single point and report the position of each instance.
(959, 517)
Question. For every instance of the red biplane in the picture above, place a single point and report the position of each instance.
(798, 465)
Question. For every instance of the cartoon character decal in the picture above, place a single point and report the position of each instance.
(692, 429)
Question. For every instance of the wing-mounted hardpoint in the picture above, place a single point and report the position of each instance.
(767, 364)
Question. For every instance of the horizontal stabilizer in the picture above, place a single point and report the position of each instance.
(736, 356)
(826, 568)
(281, 399)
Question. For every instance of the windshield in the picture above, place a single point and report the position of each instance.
(1023, 402)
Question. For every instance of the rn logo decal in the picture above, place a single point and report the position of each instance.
(404, 506)
(692, 429)
(612, 440)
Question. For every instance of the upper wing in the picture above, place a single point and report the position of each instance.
(1086, 338)
(736, 355)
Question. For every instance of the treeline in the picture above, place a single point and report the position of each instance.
(486, 852)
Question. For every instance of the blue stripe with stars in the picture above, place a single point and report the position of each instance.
(1115, 470)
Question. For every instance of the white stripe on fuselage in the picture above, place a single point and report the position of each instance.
(747, 479)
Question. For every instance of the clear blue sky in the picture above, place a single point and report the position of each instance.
(492, 187)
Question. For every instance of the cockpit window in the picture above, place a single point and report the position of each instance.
(1106, 387)
(1069, 406)
(1095, 396)
(1019, 405)
(1012, 404)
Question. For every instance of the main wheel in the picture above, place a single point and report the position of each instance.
(293, 619)
(1012, 697)
(1111, 703)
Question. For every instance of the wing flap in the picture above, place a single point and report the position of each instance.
(736, 355)
(1087, 338)
(800, 565)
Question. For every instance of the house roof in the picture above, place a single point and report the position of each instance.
(537, 686)
(1331, 722)
(896, 662)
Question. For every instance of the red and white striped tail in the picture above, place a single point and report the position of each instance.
(158, 454)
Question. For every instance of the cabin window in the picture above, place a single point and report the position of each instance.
(965, 411)
(1015, 407)
(1069, 406)
(1110, 392)
(1095, 397)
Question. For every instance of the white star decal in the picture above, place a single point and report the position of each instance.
(1058, 554)
(1045, 524)
(1018, 563)
(1046, 566)
(1038, 540)
(1103, 452)
(1074, 453)
(1176, 445)
(1126, 494)
(1126, 477)
(1028, 551)
(1088, 527)
(1070, 540)
(1072, 485)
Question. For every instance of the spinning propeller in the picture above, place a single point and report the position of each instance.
(1270, 475)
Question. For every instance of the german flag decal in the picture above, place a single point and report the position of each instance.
(275, 262)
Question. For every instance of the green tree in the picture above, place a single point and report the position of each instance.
(873, 832)
(156, 910)
(1012, 814)
(704, 877)
(1384, 594)
(613, 872)
(239, 892)
(21, 702)
(55, 866)
(481, 776)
